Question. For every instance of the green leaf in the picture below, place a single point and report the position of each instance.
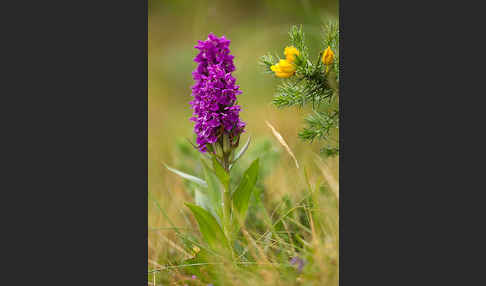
(242, 150)
(201, 199)
(242, 195)
(191, 178)
(209, 227)
(223, 176)
(213, 192)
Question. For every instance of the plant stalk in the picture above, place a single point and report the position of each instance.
(227, 204)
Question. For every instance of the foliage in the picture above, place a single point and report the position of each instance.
(292, 239)
(315, 82)
(218, 209)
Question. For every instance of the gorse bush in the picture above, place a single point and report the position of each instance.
(310, 80)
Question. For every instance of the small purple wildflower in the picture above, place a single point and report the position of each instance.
(214, 92)
(300, 263)
(193, 277)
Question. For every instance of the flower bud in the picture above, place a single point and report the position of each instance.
(218, 150)
(210, 148)
(226, 143)
(328, 56)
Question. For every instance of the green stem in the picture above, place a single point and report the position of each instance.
(227, 211)
(227, 205)
(226, 196)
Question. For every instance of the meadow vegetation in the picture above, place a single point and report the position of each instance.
(291, 232)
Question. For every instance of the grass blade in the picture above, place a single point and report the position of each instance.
(282, 141)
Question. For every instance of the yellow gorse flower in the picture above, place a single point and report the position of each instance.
(290, 53)
(286, 68)
(196, 249)
(328, 56)
(283, 72)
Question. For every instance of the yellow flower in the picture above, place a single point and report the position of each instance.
(290, 53)
(283, 69)
(196, 249)
(286, 66)
(328, 56)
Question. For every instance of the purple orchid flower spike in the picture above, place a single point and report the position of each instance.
(216, 114)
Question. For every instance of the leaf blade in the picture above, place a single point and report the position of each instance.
(242, 194)
(213, 192)
(188, 177)
(209, 227)
(221, 173)
(242, 150)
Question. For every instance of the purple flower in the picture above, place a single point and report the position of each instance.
(214, 104)
(300, 263)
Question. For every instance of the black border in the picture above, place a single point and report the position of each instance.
(75, 100)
